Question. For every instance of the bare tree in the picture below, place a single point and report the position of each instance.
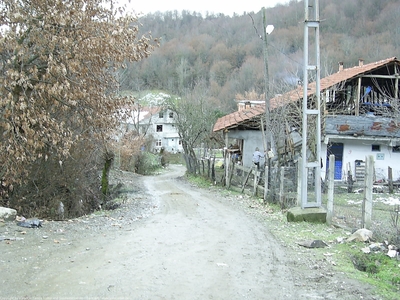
(59, 61)
(195, 117)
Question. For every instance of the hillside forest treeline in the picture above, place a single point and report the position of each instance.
(225, 53)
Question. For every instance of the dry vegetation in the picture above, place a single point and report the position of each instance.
(58, 101)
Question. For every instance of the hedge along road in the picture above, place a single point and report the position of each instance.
(195, 245)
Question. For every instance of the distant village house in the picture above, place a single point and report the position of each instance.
(159, 123)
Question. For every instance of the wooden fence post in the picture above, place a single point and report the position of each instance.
(231, 170)
(227, 166)
(213, 170)
(209, 167)
(299, 173)
(256, 174)
(331, 188)
(281, 185)
(266, 185)
(246, 179)
(350, 182)
(367, 202)
(390, 180)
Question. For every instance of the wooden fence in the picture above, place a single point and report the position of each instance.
(283, 182)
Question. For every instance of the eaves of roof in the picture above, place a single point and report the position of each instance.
(143, 114)
(236, 118)
(149, 112)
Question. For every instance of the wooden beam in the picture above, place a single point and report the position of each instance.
(394, 76)
(245, 180)
(357, 100)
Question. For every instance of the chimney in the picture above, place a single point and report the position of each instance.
(360, 62)
(340, 66)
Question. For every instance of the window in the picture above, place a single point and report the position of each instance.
(161, 115)
(171, 115)
(159, 128)
(376, 148)
(396, 149)
(158, 143)
(180, 142)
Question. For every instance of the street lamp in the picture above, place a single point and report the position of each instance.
(269, 29)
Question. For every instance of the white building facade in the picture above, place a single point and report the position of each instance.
(165, 133)
(350, 157)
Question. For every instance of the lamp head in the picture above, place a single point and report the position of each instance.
(269, 29)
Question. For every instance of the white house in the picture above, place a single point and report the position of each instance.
(162, 127)
(159, 123)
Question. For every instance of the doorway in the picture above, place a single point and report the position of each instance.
(337, 150)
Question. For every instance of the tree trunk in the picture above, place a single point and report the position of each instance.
(191, 161)
(108, 159)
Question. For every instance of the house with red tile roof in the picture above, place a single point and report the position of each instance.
(360, 111)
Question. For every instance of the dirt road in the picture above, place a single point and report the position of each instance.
(174, 241)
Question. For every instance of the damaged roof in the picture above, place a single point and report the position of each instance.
(240, 117)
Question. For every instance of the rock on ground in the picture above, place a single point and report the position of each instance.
(7, 214)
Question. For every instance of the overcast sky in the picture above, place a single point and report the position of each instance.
(202, 6)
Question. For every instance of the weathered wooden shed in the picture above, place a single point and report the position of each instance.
(360, 116)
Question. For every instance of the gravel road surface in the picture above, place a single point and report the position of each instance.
(169, 240)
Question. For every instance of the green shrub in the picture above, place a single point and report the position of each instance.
(173, 158)
(147, 163)
(365, 262)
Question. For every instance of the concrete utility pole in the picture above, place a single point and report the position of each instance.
(266, 82)
(266, 136)
(311, 116)
(366, 220)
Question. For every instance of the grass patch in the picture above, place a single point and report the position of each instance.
(198, 181)
(219, 154)
(376, 269)
(369, 263)
(379, 270)
(173, 158)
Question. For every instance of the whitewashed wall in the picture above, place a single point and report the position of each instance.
(358, 150)
(251, 140)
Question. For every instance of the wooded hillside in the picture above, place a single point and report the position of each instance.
(225, 53)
